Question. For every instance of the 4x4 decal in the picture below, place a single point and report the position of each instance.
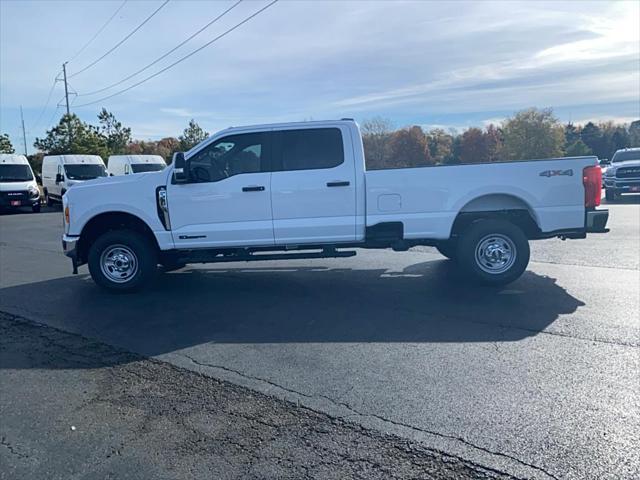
(554, 173)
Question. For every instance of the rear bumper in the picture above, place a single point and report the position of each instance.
(596, 221)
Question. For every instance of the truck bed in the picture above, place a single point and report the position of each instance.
(428, 199)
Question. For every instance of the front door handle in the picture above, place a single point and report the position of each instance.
(338, 184)
(253, 189)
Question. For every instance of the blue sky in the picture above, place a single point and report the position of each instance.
(450, 64)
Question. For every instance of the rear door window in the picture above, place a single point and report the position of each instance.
(309, 149)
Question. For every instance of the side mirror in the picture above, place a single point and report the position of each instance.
(38, 179)
(180, 168)
(605, 161)
(59, 178)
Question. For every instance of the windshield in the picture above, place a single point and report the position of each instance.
(15, 173)
(85, 171)
(626, 156)
(146, 167)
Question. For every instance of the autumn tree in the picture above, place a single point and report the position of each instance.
(477, 146)
(408, 148)
(376, 133)
(165, 147)
(532, 134)
(5, 144)
(191, 136)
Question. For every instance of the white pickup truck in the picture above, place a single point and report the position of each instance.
(301, 190)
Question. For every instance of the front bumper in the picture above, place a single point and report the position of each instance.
(627, 185)
(70, 249)
(18, 200)
(596, 221)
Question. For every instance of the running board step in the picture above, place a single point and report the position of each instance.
(260, 257)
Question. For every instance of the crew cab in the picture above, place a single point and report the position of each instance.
(301, 190)
(623, 174)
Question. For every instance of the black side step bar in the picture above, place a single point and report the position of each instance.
(198, 257)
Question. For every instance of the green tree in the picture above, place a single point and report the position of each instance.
(408, 148)
(191, 136)
(578, 149)
(376, 133)
(117, 137)
(532, 134)
(634, 134)
(571, 134)
(440, 144)
(592, 137)
(5, 144)
(73, 136)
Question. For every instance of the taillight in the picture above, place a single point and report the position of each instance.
(592, 180)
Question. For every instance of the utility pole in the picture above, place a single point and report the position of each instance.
(24, 135)
(66, 90)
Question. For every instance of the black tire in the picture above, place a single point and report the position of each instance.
(132, 246)
(47, 199)
(35, 208)
(448, 249)
(610, 195)
(507, 240)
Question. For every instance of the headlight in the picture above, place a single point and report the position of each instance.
(33, 191)
(610, 172)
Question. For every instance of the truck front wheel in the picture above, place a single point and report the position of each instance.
(122, 261)
(493, 252)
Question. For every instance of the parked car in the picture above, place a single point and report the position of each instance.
(127, 164)
(301, 190)
(18, 187)
(623, 175)
(61, 172)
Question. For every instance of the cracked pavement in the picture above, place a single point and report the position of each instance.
(538, 379)
(138, 418)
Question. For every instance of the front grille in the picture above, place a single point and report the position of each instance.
(628, 172)
(20, 195)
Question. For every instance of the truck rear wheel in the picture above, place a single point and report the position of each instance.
(122, 261)
(493, 252)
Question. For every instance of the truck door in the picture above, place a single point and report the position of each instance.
(227, 201)
(313, 190)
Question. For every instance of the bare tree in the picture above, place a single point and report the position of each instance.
(376, 133)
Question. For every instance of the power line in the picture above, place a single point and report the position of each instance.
(98, 32)
(46, 104)
(121, 41)
(165, 55)
(181, 59)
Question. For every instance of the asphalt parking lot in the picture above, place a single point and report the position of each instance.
(538, 379)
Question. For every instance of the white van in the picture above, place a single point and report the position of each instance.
(126, 164)
(18, 187)
(60, 172)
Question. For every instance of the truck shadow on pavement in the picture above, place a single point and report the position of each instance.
(426, 302)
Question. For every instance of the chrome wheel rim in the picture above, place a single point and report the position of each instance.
(118, 263)
(495, 253)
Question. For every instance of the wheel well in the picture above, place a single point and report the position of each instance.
(105, 222)
(497, 206)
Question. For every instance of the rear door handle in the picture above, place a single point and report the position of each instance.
(338, 184)
(253, 189)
